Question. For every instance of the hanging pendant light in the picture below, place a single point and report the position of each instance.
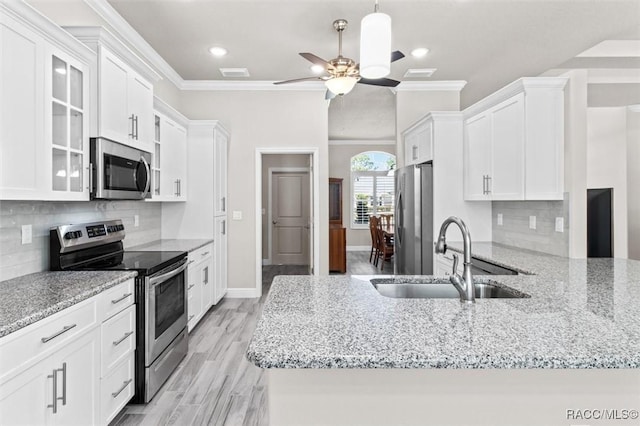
(375, 45)
(341, 85)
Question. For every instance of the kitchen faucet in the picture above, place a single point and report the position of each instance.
(464, 283)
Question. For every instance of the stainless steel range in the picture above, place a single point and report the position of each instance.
(161, 295)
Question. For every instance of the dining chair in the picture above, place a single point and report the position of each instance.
(373, 225)
(385, 245)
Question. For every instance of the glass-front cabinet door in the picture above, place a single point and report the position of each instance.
(68, 120)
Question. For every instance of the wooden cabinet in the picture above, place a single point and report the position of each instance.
(200, 284)
(124, 84)
(44, 99)
(337, 232)
(514, 143)
(418, 142)
(169, 167)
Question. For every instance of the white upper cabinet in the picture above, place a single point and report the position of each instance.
(418, 142)
(221, 147)
(514, 142)
(45, 105)
(124, 85)
(169, 165)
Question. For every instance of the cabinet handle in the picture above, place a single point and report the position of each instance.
(190, 262)
(123, 338)
(64, 383)
(124, 386)
(224, 227)
(177, 187)
(132, 135)
(136, 123)
(484, 184)
(190, 287)
(124, 296)
(224, 204)
(414, 152)
(206, 253)
(54, 379)
(489, 184)
(53, 336)
(190, 317)
(206, 275)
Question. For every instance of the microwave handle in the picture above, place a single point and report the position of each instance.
(148, 184)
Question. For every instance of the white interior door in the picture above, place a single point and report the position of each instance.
(311, 218)
(290, 218)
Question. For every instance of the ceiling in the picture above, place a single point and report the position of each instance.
(488, 43)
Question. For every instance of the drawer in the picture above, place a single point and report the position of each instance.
(32, 343)
(118, 339)
(117, 389)
(116, 299)
(201, 254)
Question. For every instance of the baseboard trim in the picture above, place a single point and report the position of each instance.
(358, 248)
(242, 293)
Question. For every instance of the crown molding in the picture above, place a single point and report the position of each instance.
(427, 86)
(231, 85)
(519, 86)
(164, 108)
(126, 31)
(344, 142)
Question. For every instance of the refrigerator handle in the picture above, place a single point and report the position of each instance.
(399, 217)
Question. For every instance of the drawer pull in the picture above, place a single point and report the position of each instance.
(190, 317)
(206, 253)
(53, 336)
(190, 287)
(123, 338)
(124, 386)
(124, 296)
(190, 262)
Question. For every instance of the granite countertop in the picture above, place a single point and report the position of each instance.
(581, 314)
(30, 298)
(173, 245)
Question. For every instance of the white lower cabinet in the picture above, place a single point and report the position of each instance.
(220, 261)
(72, 368)
(201, 291)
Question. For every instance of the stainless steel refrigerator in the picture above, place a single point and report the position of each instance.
(413, 237)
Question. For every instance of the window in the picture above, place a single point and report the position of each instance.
(372, 186)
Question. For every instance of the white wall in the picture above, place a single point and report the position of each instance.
(261, 119)
(607, 165)
(633, 179)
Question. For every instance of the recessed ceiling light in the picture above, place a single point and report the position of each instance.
(420, 52)
(218, 51)
(419, 72)
(234, 72)
(317, 69)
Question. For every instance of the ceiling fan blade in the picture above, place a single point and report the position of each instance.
(316, 60)
(396, 55)
(387, 82)
(297, 80)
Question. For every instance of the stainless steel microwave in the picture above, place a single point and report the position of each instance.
(118, 172)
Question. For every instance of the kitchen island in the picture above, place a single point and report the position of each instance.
(337, 352)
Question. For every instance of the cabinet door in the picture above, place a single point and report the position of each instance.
(194, 296)
(140, 106)
(507, 175)
(114, 121)
(24, 399)
(208, 283)
(79, 381)
(477, 157)
(22, 160)
(220, 173)
(220, 261)
(174, 161)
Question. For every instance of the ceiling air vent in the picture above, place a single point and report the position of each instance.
(419, 72)
(234, 72)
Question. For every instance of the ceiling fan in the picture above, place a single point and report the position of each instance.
(343, 73)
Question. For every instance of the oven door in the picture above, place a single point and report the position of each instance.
(166, 308)
(119, 171)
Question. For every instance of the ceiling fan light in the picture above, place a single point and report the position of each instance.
(341, 85)
(375, 45)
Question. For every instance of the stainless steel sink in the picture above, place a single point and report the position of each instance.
(442, 289)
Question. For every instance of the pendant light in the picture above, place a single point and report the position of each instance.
(341, 85)
(375, 44)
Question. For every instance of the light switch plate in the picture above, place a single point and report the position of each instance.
(237, 215)
(499, 219)
(136, 220)
(27, 234)
(559, 224)
(532, 222)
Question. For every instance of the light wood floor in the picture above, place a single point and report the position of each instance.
(215, 384)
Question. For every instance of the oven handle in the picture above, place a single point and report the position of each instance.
(153, 281)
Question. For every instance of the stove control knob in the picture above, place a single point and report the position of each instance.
(78, 234)
(69, 236)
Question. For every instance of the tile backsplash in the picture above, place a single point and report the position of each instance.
(20, 259)
(515, 230)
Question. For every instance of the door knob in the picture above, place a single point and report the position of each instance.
(275, 222)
